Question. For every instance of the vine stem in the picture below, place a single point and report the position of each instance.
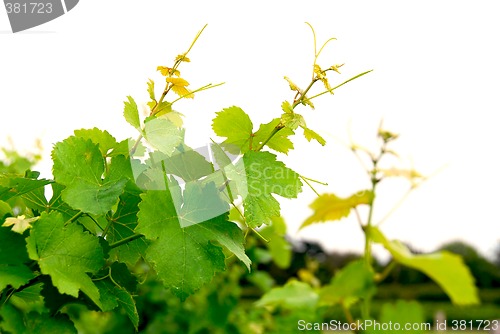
(343, 83)
(125, 240)
(75, 217)
(310, 185)
(271, 135)
(169, 86)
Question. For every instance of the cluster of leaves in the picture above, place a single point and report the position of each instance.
(121, 212)
(357, 282)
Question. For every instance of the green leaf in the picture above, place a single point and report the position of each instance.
(66, 254)
(279, 248)
(29, 298)
(15, 322)
(13, 257)
(45, 324)
(124, 221)
(287, 107)
(5, 209)
(292, 120)
(401, 314)
(105, 141)
(174, 117)
(265, 176)
(293, 295)
(279, 142)
(446, 269)
(11, 319)
(116, 289)
(310, 134)
(186, 258)
(162, 134)
(355, 281)
(234, 124)
(188, 164)
(131, 113)
(36, 200)
(331, 207)
(13, 186)
(79, 165)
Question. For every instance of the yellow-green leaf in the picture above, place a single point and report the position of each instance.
(179, 87)
(183, 58)
(131, 113)
(20, 223)
(409, 174)
(293, 120)
(151, 90)
(292, 85)
(287, 107)
(178, 81)
(446, 269)
(167, 71)
(331, 207)
(310, 134)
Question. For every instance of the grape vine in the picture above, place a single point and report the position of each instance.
(122, 212)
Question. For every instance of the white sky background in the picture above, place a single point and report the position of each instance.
(435, 81)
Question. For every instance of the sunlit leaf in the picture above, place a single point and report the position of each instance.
(234, 124)
(329, 207)
(266, 176)
(310, 134)
(446, 269)
(292, 120)
(151, 89)
(66, 254)
(162, 134)
(183, 249)
(287, 107)
(293, 86)
(182, 57)
(79, 165)
(131, 113)
(167, 71)
(279, 142)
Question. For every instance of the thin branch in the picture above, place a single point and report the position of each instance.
(343, 83)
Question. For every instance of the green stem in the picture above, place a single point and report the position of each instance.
(271, 135)
(6, 296)
(125, 240)
(75, 217)
(310, 185)
(343, 83)
(303, 94)
(349, 317)
(106, 229)
(259, 235)
(198, 90)
(167, 89)
(315, 181)
(379, 277)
